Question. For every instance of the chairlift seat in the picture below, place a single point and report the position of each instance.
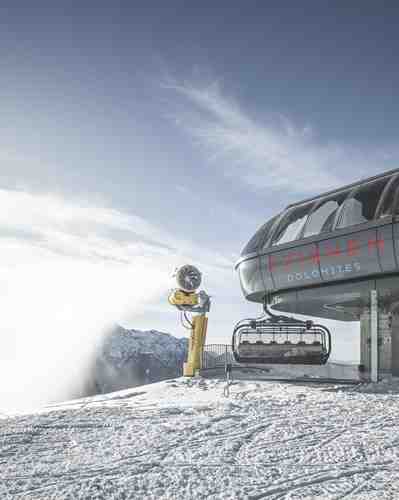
(269, 351)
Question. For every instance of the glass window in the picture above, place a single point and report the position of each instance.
(259, 237)
(291, 226)
(389, 199)
(361, 206)
(321, 220)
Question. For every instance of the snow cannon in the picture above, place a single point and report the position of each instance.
(188, 278)
(188, 301)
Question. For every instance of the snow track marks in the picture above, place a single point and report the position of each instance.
(184, 440)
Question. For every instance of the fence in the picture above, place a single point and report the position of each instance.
(217, 356)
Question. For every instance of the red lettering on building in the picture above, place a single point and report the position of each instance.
(271, 262)
(287, 260)
(376, 244)
(333, 252)
(352, 248)
(315, 256)
(299, 257)
(293, 258)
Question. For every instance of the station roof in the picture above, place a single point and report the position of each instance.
(343, 188)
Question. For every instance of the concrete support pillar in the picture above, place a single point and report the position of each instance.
(385, 356)
(374, 335)
(395, 342)
(365, 361)
(388, 348)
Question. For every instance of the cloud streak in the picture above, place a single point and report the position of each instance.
(273, 154)
(52, 225)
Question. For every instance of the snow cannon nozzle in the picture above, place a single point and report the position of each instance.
(188, 278)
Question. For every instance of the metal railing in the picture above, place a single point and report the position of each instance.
(217, 356)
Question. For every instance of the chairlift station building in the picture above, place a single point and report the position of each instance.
(335, 256)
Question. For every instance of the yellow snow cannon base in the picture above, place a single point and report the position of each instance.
(195, 345)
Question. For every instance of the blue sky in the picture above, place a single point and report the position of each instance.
(139, 135)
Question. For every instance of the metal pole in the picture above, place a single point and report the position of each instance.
(374, 334)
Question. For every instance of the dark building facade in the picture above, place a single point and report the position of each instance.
(323, 256)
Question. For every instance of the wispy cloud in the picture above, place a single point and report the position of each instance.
(51, 224)
(76, 230)
(273, 153)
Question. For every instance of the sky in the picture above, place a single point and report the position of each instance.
(138, 136)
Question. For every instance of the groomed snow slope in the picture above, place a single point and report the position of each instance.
(182, 439)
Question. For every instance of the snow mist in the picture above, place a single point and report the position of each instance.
(53, 317)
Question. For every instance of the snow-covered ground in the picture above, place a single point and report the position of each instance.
(182, 439)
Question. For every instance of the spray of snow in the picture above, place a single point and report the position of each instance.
(53, 318)
(64, 278)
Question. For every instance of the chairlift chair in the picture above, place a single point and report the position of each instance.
(255, 341)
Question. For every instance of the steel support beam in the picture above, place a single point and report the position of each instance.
(374, 335)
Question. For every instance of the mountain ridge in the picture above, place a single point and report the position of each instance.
(131, 357)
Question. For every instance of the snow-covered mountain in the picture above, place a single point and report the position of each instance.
(128, 358)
